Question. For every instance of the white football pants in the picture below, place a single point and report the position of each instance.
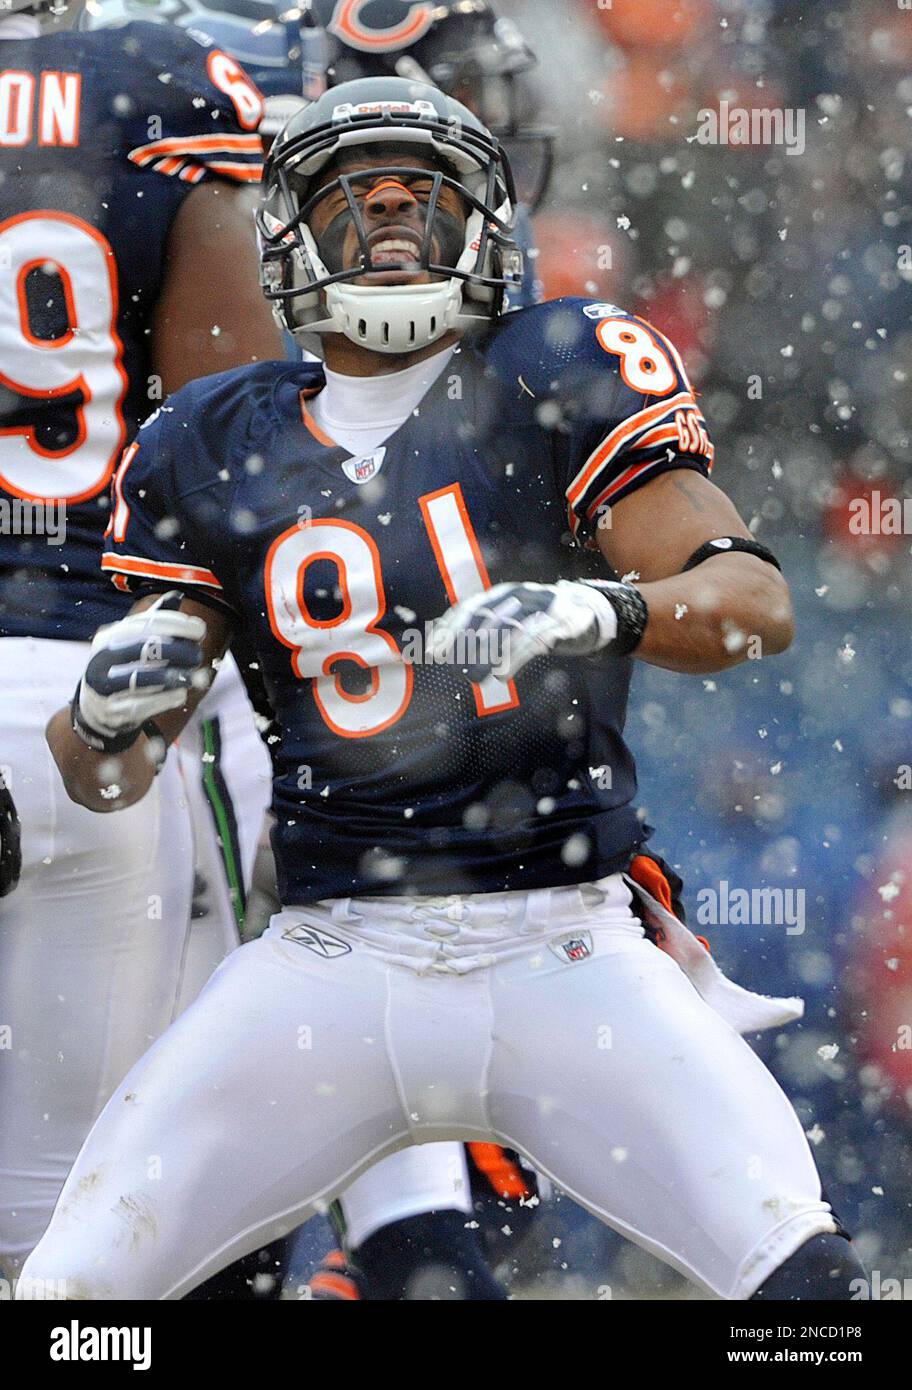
(227, 778)
(92, 942)
(543, 1020)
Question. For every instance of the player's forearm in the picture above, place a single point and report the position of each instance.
(730, 609)
(100, 781)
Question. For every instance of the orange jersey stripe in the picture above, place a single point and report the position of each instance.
(246, 173)
(324, 1281)
(198, 144)
(618, 436)
(156, 569)
(319, 435)
(663, 435)
(503, 1175)
(626, 477)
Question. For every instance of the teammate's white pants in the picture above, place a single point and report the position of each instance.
(91, 943)
(228, 783)
(543, 1020)
(417, 1179)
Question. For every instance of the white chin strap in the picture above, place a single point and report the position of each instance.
(402, 318)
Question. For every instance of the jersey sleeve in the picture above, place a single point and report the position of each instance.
(150, 540)
(197, 113)
(626, 410)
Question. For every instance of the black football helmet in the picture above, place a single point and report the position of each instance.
(395, 116)
(460, 46)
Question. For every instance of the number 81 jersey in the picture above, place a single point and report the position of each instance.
(395, 774)
(89, 125)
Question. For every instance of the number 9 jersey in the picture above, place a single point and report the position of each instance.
(396, 774)
(102, 135)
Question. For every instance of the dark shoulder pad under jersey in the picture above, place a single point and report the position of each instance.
(198, 442)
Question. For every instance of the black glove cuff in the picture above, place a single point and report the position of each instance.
(99, 743)
(632, 614)
(725, 545)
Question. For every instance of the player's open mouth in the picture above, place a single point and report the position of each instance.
(396, 256)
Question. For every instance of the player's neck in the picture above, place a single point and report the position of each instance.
(350, 359)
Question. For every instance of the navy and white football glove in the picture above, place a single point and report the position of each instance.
(497, 632)
(10, 839)
(140, 667)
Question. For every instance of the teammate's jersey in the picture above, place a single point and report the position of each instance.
(89, 124)
(394, 775)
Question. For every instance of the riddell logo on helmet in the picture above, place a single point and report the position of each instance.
(370, 108)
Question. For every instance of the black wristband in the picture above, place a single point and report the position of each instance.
(99, 743)
(725, 545)
(632, 614)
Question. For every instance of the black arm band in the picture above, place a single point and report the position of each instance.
(725, 545)
(631, 610)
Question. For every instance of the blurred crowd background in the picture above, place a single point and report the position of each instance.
(783, 278)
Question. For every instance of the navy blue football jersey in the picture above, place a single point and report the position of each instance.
(102, 135)
(393, 774)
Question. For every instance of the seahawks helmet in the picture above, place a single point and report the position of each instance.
(460, 46)
(310, 297)
(263, 35)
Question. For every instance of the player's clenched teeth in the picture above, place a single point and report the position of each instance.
(394, 251)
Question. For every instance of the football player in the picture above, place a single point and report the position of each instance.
(458, 955)
(468, 51)
(125, 162)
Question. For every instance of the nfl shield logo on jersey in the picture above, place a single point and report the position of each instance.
(573, 948)
(361, 470)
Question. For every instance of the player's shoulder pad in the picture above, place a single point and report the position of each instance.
(214, 418)
(174, 56)
(591, 352)
(548, 338)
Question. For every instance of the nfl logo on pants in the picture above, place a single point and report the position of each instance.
(573, 948)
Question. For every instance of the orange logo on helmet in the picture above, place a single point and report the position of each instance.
(346, 23)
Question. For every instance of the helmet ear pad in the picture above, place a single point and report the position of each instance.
(482, 294)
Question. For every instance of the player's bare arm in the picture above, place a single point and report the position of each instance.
(210, 314)
(696, 594)
(701, 620)
(121, 770)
